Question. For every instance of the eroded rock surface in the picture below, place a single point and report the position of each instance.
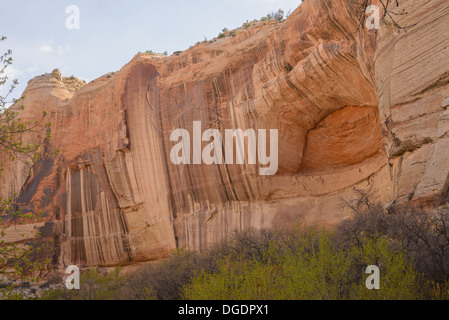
(354, 110)
(412, 76)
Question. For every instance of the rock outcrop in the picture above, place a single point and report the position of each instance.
(412, 80)
(355, 110)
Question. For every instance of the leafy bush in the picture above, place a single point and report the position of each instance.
(164, 280)
(288, 68)
(168, 278)
(275, 15)
(314, 267)
(223, 33)
(423, 235)
(93, 286)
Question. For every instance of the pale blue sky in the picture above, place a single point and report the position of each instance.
(112, 32)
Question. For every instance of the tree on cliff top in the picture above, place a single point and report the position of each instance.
(18, 256)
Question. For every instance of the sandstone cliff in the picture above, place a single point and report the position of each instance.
(412, 80)
(355, 110)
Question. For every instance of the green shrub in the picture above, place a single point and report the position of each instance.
(288, 68)
(93, 286)
(166, 279)
(223, 33)
(315, 267)
(424, 236)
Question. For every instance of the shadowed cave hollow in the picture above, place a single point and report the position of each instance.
(344, 138)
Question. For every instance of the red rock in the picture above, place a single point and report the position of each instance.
(340, 98)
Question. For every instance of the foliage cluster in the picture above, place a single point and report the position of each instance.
(23, 256)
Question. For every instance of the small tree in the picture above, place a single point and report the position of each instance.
(19, 256)
(275, 15)
(278, 15)
(223, 33)
(424, 235)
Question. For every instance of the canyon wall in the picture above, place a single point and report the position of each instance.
(354, 109)
(412, 80)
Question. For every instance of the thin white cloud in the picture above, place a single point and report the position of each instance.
(61, 50)
(45, 48)
(31, 69)
(12, 73)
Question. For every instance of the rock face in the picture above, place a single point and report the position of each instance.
(412, 77)
(354, 110)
